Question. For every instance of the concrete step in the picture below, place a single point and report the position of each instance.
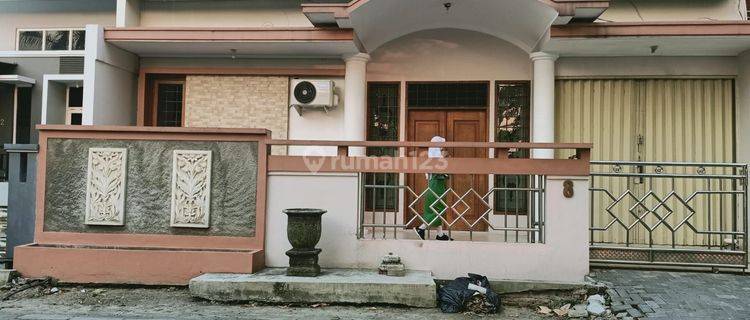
(416, 289)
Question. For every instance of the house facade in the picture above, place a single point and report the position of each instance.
(661, 89)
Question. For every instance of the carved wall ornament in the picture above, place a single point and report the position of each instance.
(191, 188)
(105, 186)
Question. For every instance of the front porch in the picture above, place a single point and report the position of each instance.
(231, 232)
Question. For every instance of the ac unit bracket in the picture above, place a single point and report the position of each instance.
(301, 108)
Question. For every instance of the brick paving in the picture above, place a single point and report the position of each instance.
(678, 295)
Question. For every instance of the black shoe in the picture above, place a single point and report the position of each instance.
(420, 232)
(444, 237)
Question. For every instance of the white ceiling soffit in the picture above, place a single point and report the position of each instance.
(643, 46)
(521, 22)
(218, 49)
(14, 79)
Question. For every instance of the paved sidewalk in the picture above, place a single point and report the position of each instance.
(681, 295)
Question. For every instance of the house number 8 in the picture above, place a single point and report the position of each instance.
(568, 189)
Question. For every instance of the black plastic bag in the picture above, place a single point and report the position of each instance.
(454, 295)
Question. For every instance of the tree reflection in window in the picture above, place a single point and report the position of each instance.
(512, 125)
(382, 125)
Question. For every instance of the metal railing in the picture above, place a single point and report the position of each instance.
(393, 191)
(669, 213)
(466, 214)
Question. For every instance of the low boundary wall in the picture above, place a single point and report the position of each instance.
(145, 205)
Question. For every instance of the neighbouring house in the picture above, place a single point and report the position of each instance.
(580, 131)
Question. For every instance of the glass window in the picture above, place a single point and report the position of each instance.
(382, 125)
(513, 108)
(51, 40)
(56, 40)
(30, 40)
(23, 115)
(76, 119)
(78, 41)
(448, 95)
(75, 97)
(512, 125)
(382, 119)
(169, 105)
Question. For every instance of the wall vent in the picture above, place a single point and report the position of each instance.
(71, 65)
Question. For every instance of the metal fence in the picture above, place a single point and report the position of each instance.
(390, 209)
(667, 213)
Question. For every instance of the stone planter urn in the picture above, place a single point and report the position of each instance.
(303, 231)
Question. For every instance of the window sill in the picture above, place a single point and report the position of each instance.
(31, 54)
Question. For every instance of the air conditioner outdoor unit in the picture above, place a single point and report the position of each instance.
(312, 94)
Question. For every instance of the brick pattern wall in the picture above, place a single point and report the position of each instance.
(238, 102)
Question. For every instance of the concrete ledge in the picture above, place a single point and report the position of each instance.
(7, 275)
(501, 287)
(149, 266)
(416, 289)
(512, 286)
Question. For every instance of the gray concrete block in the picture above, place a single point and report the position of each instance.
(617, 308)
(7, 275)
(416, 289)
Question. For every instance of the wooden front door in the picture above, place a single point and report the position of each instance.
(468, 126)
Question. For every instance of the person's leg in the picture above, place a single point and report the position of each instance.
(438, 185)
(429, 216)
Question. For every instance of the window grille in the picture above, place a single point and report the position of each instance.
(382, 125)
(512, 125)
(51, 40)
(448, 95)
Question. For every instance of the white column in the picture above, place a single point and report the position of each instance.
(128, 13)
(543, 102)
(355, 107)
(742, 109)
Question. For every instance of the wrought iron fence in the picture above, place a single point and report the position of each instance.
(668, 213)
(392, 186)
(469, 214)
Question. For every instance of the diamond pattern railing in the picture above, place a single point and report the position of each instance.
(682, 214)
(466, 214)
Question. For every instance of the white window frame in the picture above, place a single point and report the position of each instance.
(70, 111)
(44, 39)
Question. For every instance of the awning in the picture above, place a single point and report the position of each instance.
(14, 79)
(6, 68)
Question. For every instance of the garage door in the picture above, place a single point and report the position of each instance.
(652, 120)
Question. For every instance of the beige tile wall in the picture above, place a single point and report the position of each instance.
(238, 102)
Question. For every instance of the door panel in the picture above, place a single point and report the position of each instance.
(454, 126)
(468, 126)
(603, 112)
(688, 120)
(422, 126)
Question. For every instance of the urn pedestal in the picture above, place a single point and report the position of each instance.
(303, 231)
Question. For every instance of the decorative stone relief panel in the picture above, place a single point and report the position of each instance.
(191, 188)
(105, 186)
